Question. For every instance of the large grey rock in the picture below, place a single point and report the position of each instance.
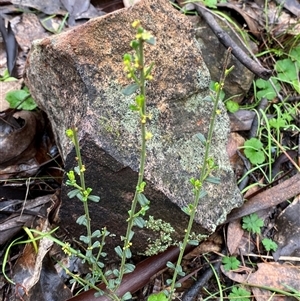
(77, 78)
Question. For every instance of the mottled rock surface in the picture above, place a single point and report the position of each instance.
(240, 79)
(77, 77)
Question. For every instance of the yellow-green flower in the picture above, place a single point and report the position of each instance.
(136, 23)
(67, 249)
(148, 135)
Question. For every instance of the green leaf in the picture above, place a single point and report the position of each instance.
(142, 199)
(96, 233)
(295, 55)
(232, 106)
(186, 210)
(151, 41)
(158, 297)
(239, 294)
(210, 3)
(126, 296)
(134, 107)
(119, 251)
(148, 70)
(171, 265)
(81, 220)
(230, 263)
(116, 273)
(265, 88)
(139, 221)
(296, 85)
(286, 70)
(85, 239)
(169, 281)
(130, 89)
(193, 242)
(80, 197)
(208, 98)
(252, 223)
(179, 270)
(94, 198)
(203, 193)
(100, 264)
(269, 244)
(277, 123)
(202, 138)
(16, 100)
(6, 77)
(128, 253)
(96, 244)
(71, 194)
(108, 273)
(98, 293)
(131, 234)
(129, 268)
(253, 151)
(213, 180)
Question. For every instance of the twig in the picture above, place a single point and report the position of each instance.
(227, 41)
(271, 197)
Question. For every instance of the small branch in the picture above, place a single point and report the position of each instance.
(271, 197)
(227, 41)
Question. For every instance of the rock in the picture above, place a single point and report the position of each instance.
(240, 79)
(77, 77)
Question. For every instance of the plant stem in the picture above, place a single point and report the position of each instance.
(203, 174)
(130, 223)
(82, 184)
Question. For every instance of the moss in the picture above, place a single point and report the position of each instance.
(164, 240)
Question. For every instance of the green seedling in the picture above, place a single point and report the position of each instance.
(239, 294)
(252, 223)
(21, 99)
(269, 244)
(230, 263)
(158, 297)
(253, 150)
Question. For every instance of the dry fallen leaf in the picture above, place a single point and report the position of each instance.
(272, 275)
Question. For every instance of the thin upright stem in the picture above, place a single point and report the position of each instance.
(83, 187)
(130, 224)
(203, 175)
